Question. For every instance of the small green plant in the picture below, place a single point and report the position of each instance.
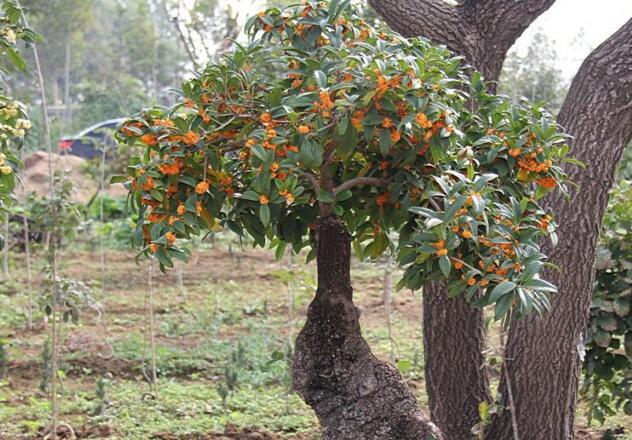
(607, 383)
(101, 402)
(47, 356)
(4, 358)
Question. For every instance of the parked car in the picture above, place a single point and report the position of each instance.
(88, 143)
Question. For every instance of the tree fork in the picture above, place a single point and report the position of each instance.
(355, 395)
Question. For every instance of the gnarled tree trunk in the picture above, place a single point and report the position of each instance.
(355, 395)
(543, 354)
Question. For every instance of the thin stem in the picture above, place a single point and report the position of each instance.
(5, 250)
(52, 239)
(388, 289)
(29, 275)
(359, 181)
(152, 336)
(102, 219)
(512, 407)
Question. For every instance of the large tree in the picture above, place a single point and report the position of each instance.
(322, 131)
(483, 31)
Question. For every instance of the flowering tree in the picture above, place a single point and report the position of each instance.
(13, 120)
(322, 132)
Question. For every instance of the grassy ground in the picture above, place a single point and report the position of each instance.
(223, 344)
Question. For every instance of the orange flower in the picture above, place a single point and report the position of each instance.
(155, 218)
(181, 209)
(149, 139)
(153, 248)
(547, 182)
(201, 187)
(190, 138)
(163, 122)
(170, 169)
(292, 148)
(422, 120)
(173, 219)
(250, 142)
(199, 208)
(395, 135)
(515, 152)
(483, 283)
(438, 245)
(466, 234)
(266, 118)
(381, 200)
(442, 252)
(544, 222)
(303, 129)
(171, 238)
(471, 281)
(263, 199)
(297, 83)
(457, 264)
(149, 184)
(387, 123)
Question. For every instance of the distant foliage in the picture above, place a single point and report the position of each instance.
(365, 125)
(608, 364)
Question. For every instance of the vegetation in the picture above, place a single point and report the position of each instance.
(315, 131)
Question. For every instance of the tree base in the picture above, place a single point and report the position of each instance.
(355, 395)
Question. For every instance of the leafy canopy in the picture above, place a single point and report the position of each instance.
(320, 114)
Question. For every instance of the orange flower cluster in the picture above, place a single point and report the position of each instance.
(325, 105)
(171, 168)
(530, 164)
(149, 139)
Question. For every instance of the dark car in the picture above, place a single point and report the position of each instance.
(89, 142)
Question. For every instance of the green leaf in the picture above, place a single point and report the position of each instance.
(250, 195)
(541, 285)
(325, 196)
(264, 214)
(321, 79)
(385, 141)
(445, 265)
(118, 179)
(501, 290)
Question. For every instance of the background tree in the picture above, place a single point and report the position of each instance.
(491, 28)
(534, 75)
(364, 132)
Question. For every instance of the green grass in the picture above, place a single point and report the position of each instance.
(228, 334)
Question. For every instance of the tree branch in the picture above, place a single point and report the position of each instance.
(358, 181)
(434, 19)
(312, 180)
(482, 31)
(499, 23)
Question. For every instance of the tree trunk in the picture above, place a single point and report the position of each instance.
(355, 395)
(544, 354)
(454, 337)
(454, 392)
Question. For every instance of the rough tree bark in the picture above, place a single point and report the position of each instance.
(355, 395)
(543, 354)
(454, 339)
(482, 31)
(454, 358)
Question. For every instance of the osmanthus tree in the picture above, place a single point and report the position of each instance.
(322, 133)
